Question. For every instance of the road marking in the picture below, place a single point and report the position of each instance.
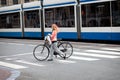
(32, 45)
(15, 44)
(111, 49)
(26, 62)
(2, 56)
(22, 54)
(2, 42)
(105, 52)
(83, 58)
(10, 59)
(66, 61)
(12, 65)
(16, 55)
(96, 55)
(76, 49)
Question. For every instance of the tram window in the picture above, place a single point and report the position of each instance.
(3, 2)
(62, 16)
(32, 19)
(96, 14)
(15, 1)
(10, 20)
(26, 1)
(116, 13)
(2, 21)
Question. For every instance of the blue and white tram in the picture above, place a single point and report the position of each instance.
(10, 21)
(100, 19)
(77, 19)
(63, 13)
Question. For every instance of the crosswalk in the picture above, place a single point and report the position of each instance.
(78, 55)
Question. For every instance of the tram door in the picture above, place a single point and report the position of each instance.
(31, 20)
(32, 24)
(115, 6)
(103, 18)
(96, 21)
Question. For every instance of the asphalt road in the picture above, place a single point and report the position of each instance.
(90, 61)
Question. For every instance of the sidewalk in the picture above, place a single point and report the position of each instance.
(8, 73)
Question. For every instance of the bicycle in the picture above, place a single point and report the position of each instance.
(41, 52)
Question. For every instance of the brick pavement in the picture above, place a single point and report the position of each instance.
(8, 73)
(4, 73)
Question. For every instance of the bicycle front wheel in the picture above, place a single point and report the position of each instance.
(41, 52)
(66, 48)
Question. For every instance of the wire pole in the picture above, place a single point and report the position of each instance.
(41, 16)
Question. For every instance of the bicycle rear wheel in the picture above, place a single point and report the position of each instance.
(66, 48)
(41, 52)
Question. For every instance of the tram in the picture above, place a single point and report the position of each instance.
(77, 19)
(100, 20)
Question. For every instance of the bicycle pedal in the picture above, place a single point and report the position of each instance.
(56, 56)
(64, 58)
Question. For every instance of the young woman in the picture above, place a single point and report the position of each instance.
(54, 47)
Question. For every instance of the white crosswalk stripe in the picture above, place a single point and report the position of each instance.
(29, 63)
(66, 61)
(103, 52)
(23, 54)
(16, 44)
(96, 55)
(11, 65)
(114, 49)
(83, 58)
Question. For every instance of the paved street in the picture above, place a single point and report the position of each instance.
(90, 61)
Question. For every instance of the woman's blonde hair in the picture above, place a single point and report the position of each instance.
(55, 27)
